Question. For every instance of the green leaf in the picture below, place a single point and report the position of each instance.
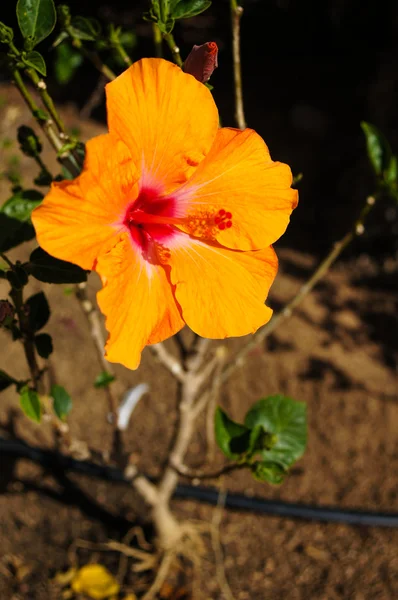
(67, 61)
(44, 178)
(391, 173)
(36, 19)
(285, 429)
(38, 311)
(379, 151)
(20, 205)
(232, 438)
(45, 267)
(28, 141)
(84, 28)
(268, 471)
(30, 404)
(13, 232)
(62, 402)
(189, 8)
(6, 380)
(36, 61)
(44, 345)
(103, 379)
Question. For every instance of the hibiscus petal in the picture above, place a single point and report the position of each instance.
(238, 176)
(137, 301)
(221, 292)
(79, 219)
(168, 120)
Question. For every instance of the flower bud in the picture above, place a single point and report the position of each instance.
(7, 313)
(201, 61)
(6, 34)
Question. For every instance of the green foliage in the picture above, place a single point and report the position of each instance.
(29, 143)
(66, 63)
(38, 311)
(44, 344)
(285, 420)
(13, 232)
(30, 404)
(48, 269)
(272, 438)
(383, 161)
(21, 204)
(232, 438)
(6, 380)
(36, 19)
(17, 277)
(62, 402)
(103, 379)
(35, 60)
(6, 34)
(84, 28)
(183, 9)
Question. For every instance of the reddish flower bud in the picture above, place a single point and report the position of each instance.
(201, 61)
(7, 312)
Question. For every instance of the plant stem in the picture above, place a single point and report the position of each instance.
(94, 59)
(157, 40)
(41, 87)
(236, 15)
(170, 41)
(46, 124)
(27, 337)
(118, 48)
(185, 471)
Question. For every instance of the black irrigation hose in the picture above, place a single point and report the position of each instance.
(56, 461)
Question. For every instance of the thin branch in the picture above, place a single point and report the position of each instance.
(93, 58)
(170, 41)
(199, 350)
(259, 337)
(157, 40)
(185, 471)
(236, 15)
(169, 361)
(217, 548)
(94, 320)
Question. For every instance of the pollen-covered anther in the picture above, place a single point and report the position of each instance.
(223, 219)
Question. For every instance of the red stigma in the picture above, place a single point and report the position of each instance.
(223, 219)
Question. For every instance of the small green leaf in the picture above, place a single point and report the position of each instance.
(45, 267)
(84, 28)
(67, 61)
(6, 33)
(268, 471)
(185, 9)
(6, 380)
(44, 345)
(379, 151)
(30, 404)
(38, 311)
(17, 277)
(62, 402)
(44, 178)
(232, 438)
(36, 61)
(391, 173)
(20, 205)
(13, 232)
(103, 379)
(28, 141)
(284, 420)
(36, 19)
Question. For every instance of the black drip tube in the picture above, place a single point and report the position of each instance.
(56, 461)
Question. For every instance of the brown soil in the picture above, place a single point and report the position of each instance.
(337, 353)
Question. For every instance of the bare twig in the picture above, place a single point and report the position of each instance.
(236, 15)
(94, 320)
(217, 548)
(168, 360)
(161, 576)
(198, 353)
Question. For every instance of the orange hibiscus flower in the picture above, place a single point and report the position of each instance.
(175, 214)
